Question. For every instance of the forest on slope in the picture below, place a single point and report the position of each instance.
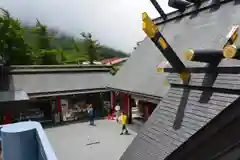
(25, 45)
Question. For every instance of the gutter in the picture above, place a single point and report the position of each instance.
(65, 93)
(143, 95)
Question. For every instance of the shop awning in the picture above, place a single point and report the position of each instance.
(16, 95)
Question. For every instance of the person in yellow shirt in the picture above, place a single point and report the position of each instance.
(124, 123)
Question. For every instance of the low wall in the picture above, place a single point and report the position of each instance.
(25, 141)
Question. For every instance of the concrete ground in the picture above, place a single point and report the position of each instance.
(81, 141)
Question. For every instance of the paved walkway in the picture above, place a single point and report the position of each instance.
(81, 141)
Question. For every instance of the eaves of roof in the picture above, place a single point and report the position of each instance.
(65, 93)
(147, 97)
(28, 69)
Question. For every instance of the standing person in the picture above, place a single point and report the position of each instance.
(117, 109)
(90, 114)
(124, 123)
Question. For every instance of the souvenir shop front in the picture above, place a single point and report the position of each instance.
(53, 109)
(75, 107)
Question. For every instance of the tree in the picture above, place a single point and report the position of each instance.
(13, 49)
(43, 40)
(92, 47)
(44, 53)
(50, 57)
(24, 45)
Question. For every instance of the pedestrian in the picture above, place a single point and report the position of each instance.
(124, 123)
(90, 114)
(117, 109)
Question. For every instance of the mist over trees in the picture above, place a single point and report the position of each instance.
(38, 44)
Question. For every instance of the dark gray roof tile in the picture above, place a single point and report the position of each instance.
(139, 73)
(158, 132)
(204, 31)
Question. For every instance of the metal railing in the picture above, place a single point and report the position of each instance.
(23, 136)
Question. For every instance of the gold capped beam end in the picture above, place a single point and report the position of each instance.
(229, 51)
(188, 55)
(148, 26)
(160, 69)
(166, 84)
(185, 76)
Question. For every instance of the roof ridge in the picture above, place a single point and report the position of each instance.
(189, 9)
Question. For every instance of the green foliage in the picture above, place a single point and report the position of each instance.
(91, 46)
(43, 38)
(12, 46)
(46, 57)
(40, 45)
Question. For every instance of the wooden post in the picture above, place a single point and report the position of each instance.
(59, 104)
(7, 118)
(147, 109)
(125, 103)
(129, 109)
(58, 114)
(159, 9)
(113, 102)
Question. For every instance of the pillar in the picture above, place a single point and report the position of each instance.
(57, 114)
(59, 104)
(127, 107)
(7, 118)
(130, 109)
(147, 110)
(113, 101)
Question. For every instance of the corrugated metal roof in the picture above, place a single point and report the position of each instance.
(53, 80)
(158, 138)
(57, 82)
(139, 73)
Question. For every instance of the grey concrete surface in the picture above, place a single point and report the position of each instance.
(70, 141)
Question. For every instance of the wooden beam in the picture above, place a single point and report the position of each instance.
(178, 4)
(222, 70)
(209, 56)
(216, 2)
(159, 9)
(206, 56)
(152, 32)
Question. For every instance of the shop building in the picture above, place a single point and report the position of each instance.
(54, 93)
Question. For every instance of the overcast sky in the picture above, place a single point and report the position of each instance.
(116, 23)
